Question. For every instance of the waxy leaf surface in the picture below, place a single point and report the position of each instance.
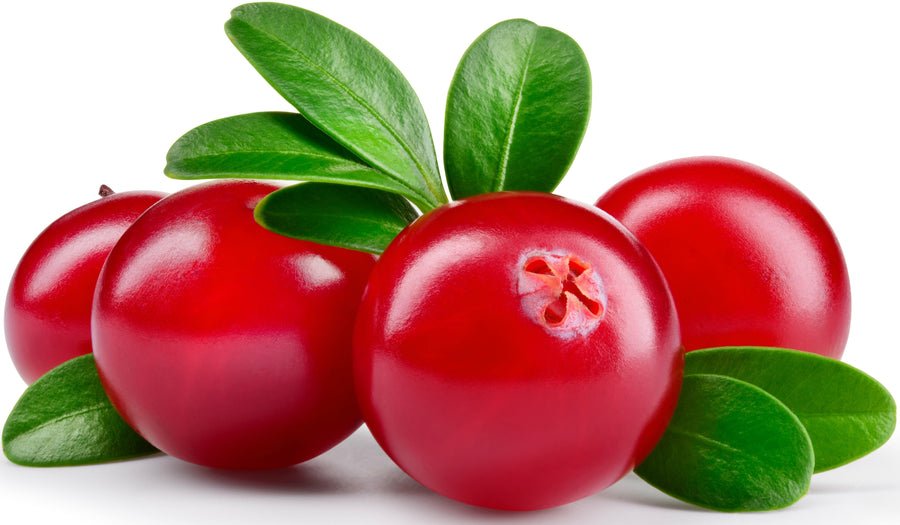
(346, 87)
(730, 447)
(517, 110)
(356, 218)
(270, 145)
(65, 418)
(846, 412)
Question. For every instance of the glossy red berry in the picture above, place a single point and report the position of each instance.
(225, 344)
(48, 306)
(517, 351)
(749, 259)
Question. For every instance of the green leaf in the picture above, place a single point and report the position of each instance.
(356, 218)
(846, 412)
(517, 110)
(271, 145)
(344, 86)
(731, 447)
(64, 418)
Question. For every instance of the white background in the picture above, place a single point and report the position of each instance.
(95, 92)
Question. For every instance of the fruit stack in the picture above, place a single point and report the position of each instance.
(506, 347)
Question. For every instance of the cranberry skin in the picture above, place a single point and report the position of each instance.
(749, 259)
(222, 343)
(48, 306)
(517, 351)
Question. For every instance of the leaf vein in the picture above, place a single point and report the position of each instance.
(711, 441)
(286, 153)
(70, 415)
(362, 102)
(842, 415)
(333, 216)
(511, 127)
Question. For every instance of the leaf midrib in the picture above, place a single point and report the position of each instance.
(406, 148)
(292, 153)
(511, 127)
(369, 248)
(841, 415)
(356, 218)
(33, 430)
(718, 444)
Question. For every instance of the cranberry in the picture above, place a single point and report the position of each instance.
(517, 351)
(48, 306)
(222, 343)
(749, 259)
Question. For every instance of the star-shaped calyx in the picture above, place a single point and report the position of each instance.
(561, 292)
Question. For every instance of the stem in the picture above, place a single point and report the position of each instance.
(105, 191)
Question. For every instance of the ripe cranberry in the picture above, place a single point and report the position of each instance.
(517, 351)
(749, 259)
(48, 306)
(222, 343)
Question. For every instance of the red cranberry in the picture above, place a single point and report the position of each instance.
(225, 344)
(749, 259)
(517, 351)
(48, 306)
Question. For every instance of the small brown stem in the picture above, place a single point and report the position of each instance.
(105, 191)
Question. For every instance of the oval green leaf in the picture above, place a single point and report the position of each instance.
(356, 218)
(847, 413)
(517, 110)
(345, 86)
(272, 145)
(65, 418)
(730, 447)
